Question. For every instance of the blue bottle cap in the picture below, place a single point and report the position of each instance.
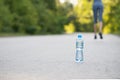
(79, 36)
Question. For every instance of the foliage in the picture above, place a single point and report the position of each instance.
(53, 17)
(110, 16)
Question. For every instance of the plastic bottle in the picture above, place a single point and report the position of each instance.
(79, 48)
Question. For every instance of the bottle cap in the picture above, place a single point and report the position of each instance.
(79, 36)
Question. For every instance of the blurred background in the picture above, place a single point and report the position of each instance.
(52, 57)
(37, 17)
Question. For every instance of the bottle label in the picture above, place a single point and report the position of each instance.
(79, 55)
(79, 45)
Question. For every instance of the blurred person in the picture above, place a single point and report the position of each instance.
(98, 12)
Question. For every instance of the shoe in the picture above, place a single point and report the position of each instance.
(95, 37)
(101, 37)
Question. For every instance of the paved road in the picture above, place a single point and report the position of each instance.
(52, 58)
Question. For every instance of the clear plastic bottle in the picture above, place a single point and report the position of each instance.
(79, 48)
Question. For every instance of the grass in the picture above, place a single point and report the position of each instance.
(11, 34)
(23, 34)
(117, 33)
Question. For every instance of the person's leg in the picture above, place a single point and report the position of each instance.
(100, 30)
(95, 21)
(95, 31)
(100, 23)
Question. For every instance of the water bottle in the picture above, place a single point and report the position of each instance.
(79, 48)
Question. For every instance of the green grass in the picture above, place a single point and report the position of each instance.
(23, 34)
(117, 33)
(12, 34)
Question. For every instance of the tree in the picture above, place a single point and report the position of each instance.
(111, 17)
(84, 16)
(6, 18)
(52, 17)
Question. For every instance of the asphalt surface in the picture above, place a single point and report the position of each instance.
(52, 57)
